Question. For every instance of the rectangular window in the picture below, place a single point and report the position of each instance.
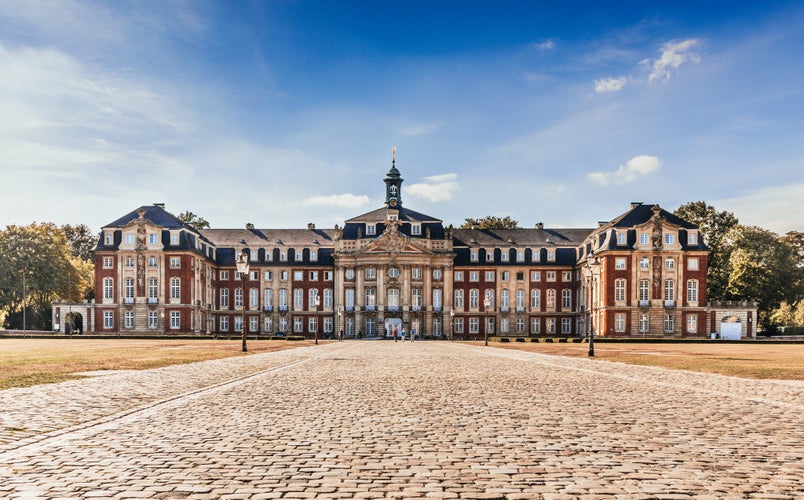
(489, 276)
(152, 262)
(269, 255)
(153, 320)
(566, 276)
(619, 290)
(535, 275)
(692, 323)
(298, 299)
(473, 255)
(474, 276)
(298, 275)
(566, 325)
(644, 323)
(551, 256)
(253, 275)
(437, 294)
(520, 300)
(283, 275)
(108, 238)
(669, 290)
(313, 255)
(268, 275)
(692, 291)
(536, 255)
(153, 284)
(415, 229)
(224, 327)
(371, 229)
(268, 325)
(130, 239)
(313, 275)
(129, 319)
(175, 262)
(520, 255)
(520, 325)
(692, 238)
(175, 288)
(108, 263)
(474, 298)
(551, 298)
(238, 323)
(108, 319)
(283, 255)
(458, 325)
(566, 299)
(504, 256)
(619, 322)
(312, 325)
(298, 255)
(551, 275)
(619, 263)
(535, 326)
(669, 323)
(458, 275)
(489, 255)
(371, 273)
(644, 291)
(175, 320)
(692, 263)
(535, 299)
(474, 325)
(669, 238)
(551, 325)
(108, 288)
(224, 297)
(129, 261)
(253, 297)
(238, 302)
(644, 263)
(621, 238)
(253, 323)
(152, 240)
(174, 238)
(669, 263)
(644, 239)
(459, 299)
(328, 275)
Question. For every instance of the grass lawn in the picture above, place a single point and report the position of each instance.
(758, 361)
(27, 362)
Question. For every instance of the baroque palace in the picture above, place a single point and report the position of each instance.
(642, 274)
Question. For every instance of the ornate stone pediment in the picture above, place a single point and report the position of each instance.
(393, 242)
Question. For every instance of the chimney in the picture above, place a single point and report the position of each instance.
(635, 204)
(601, 223)
(310, 226)
(539, 225)
(160, 205)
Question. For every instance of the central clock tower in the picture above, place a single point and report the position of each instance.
(393, 185)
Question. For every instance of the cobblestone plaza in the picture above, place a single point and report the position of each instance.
(378, 419)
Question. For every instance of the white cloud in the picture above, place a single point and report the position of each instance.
(544, 45)
(347, 200)
(777, 208)
(635, 167)
(435, 188)
(414, 129)
(610, 84)
(674, 54)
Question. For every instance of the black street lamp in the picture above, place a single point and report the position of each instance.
(592, 271)
(316, 302)
(486, 306)
(242, 271)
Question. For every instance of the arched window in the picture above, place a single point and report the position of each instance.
(692, 291)
(619, 290)
(108, 288)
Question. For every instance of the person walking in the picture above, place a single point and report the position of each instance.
(403, 335)
(394, 334)
(340, 336)
(413, 335)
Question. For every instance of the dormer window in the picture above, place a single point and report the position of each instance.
(371, 229)
(152, 239)
(489, 255)
(130, 239)
(551, 255)
(692, 238)
(536, 254)
(174, 238)
(669, 238)
(621, 238)
(416, 229)
(108, 239)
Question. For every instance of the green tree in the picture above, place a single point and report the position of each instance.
(193, 220)
(713, 225)
(490, 222)
(762, 268)
(36, 268)
(81, 239)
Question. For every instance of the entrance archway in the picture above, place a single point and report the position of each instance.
(392, 324)
(74, 323)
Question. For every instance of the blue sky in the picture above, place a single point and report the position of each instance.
(281, 113)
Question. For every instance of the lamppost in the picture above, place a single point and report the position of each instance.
(451, 325)
(486, 306)
(316, 302)
(591, 272)
(242, 271)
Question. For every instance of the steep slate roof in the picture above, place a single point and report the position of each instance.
(154, 213)
(405, 215)
(519, 237)
(642, 213)
(270, 237)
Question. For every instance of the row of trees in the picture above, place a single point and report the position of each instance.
(752, 263)
(41, 263)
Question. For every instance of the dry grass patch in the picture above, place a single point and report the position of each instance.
(757, 361)
(28, 362)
